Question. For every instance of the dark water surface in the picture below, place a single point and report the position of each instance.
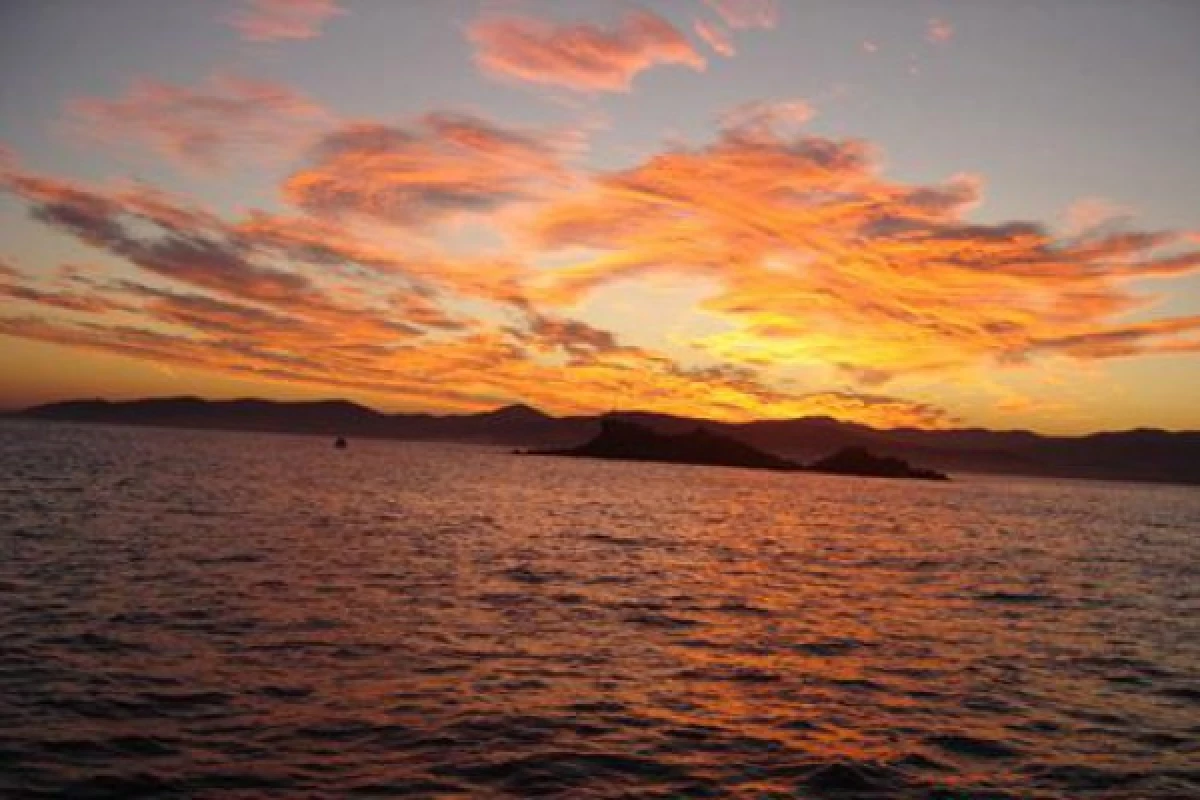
(232, 615)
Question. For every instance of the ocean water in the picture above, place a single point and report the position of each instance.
(199, 614)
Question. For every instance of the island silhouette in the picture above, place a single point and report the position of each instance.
(628, 441)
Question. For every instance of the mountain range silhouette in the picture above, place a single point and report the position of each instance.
(1140, 455)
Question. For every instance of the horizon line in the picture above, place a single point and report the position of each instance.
(18, 411)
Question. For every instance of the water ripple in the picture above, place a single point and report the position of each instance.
(226, 615)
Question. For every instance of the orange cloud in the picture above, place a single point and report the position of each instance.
(274, 20)
(444, 164)
(293, 300)
(68, 301)
(1161, 335)
(193, 248)
(817, 271)
(582, 57)
(820, 262)
(202, 127)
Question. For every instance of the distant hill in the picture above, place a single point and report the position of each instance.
(509, 425)
(1142, 455)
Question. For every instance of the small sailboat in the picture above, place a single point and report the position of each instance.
(340, 443)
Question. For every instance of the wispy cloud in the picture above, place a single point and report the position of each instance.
(203, 127)
(277, 20)
(818, 270)
(715, 36)
(296, 300)
(1089, 214)
(820, 261)
(939, 31)
(581, 56)
(1177, 335)
(760, 118)
(742, 14)
(441, 165)
(734, 15)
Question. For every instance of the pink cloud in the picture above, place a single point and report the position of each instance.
(274, 20)
(199, 127)
(582, 57)
(440, 166)
(939, 31)
(1088, 214)
(766, 119)
(715, 37)
(743, 14)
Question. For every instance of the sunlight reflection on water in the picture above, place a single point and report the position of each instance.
(195, 613)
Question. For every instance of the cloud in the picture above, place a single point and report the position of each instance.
(737, 15)
(192, 248)
(742, 14)
(203, 127)
(806, 267)
(939, 31)
(423, 306)
(67, 301)
(715, 37)
(818, 262)
(1090, 214)
(290, 299)
(878, 410)
(1143, 338)
(442, 165)
(765, 119)
(276, 20)
(582, 57)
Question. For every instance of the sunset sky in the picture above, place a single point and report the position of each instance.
(941, 213)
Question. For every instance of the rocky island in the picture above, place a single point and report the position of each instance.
(860, 461)
(627, 441)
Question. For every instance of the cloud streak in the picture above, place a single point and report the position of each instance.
(818, 261)
(581, 57)
(200, 128)
(290, 299)
(743, 14)
(441, 166)
(281, 20)
(812, 269)
(939, 31)
(715, 37)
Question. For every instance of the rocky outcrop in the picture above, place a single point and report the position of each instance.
(627, 441)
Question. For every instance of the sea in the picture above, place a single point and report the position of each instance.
(198, 614)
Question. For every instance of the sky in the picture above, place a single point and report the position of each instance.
(926, 213)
